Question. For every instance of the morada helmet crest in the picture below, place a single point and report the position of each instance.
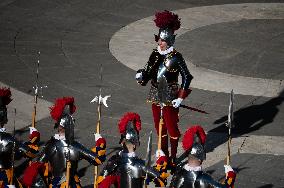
(129, 126)
(168, 23)
(193, 141)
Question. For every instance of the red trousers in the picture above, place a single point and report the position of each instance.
(170, 126)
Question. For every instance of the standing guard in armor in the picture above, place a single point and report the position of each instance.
(164, 65)
(125, 169)
(189, 174)
(62, 152)
(10, 148)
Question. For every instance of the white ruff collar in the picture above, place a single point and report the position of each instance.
(165, 52)
(2, 130)
(131, 154)
(59, 137)
(190, 168)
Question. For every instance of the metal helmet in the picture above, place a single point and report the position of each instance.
(193, 141)
(168, 23)
(67, 122)
(166, 35)
(198, 151)
(62, 112)
(131, 135)
(129, 127)
(5, 99)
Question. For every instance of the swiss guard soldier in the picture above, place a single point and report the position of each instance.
(62, 152)
(126, 169)
(165, 64)
(189, 174)
(10, 148)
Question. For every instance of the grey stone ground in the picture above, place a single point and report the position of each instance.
(73, 38)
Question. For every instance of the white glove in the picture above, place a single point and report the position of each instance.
(228, 168)
(159, 153)
(138, 76)
(32, 129)
(176, 102)
(11, 186)
(97, 136)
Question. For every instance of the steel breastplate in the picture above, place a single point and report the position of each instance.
(194, 179)
(161, 71)
(168, 68)
(6, 150)
(190, 179)
(131, 172)
(58, 159)
(171, 62)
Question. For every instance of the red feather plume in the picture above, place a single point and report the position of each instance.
(167, 19)
(188, 138)
(129, 116)
(6, 94)
(57, 109)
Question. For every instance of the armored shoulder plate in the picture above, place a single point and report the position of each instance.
(56, 153)
(111, 166)
(208, 181)
(131, 171)
(50, 147)
(154, 55)
(85, 153)
(194, 179)
(153, 59)
(172, 61)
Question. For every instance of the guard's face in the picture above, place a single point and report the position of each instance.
(163, 44)
(3, 115)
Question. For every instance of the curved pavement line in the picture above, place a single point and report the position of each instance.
(132, 46)
(24, 107)
(246, 144)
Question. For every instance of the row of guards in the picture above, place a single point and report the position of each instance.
(55, 165)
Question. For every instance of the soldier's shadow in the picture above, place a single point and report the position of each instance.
(246, 120)
(266, 186)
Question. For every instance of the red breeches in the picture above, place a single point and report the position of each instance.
(170, 126)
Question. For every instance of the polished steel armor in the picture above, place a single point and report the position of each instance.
(131, 170)
(6, 149)
(58, 151)
(168, 66)
(194, 179)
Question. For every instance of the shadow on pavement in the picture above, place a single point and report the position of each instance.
(246, 120)
(266, 186)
